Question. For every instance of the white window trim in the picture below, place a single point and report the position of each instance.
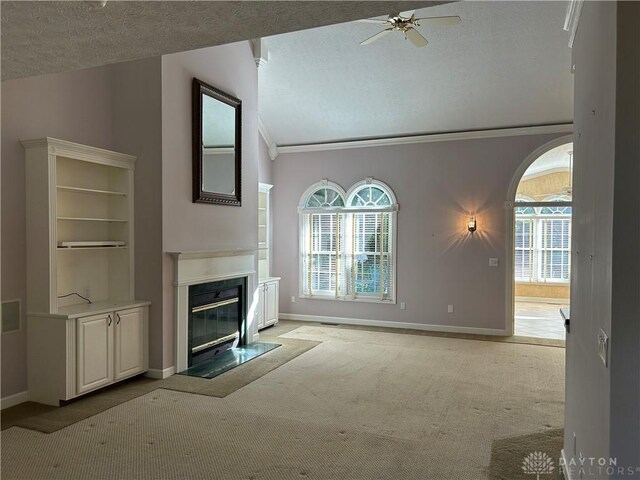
(302, 212)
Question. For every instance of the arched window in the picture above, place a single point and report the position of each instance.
(543, 218)
(325, 197)
(372, 194)
(524, 210)
(347, 247)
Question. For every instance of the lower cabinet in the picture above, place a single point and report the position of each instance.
(94, 360)
(268, 300)
(130, 337)
(73, 355)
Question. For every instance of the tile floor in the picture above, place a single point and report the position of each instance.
(541, 320)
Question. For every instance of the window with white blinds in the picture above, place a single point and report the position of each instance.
(347, 242)
(543, 244)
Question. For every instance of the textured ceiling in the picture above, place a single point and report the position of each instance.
(506, 64)
(57, 36)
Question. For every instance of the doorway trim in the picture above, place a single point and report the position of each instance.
(509, 206)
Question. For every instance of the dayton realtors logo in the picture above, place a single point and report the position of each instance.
(537, 463)
(597, 467)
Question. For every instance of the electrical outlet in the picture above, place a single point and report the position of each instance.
(86, 293)
(603, 347)
(403, 306)
(449, 308)
(293, 299)
(493, 262)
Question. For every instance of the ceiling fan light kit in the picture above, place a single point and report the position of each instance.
(406, 22)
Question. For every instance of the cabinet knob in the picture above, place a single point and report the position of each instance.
(110, 320)
(118, 319)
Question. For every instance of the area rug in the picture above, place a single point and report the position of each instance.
(525, 456)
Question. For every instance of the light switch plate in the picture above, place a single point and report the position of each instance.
(493, 262)
(603, 347)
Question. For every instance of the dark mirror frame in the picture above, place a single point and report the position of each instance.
(199, 195)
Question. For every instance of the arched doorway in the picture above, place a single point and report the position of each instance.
(540, 232)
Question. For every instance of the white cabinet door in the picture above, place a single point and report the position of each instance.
(260, 309)
(271, 303)
(130, 341)
(94, 352)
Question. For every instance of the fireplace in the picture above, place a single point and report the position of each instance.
(196, 268)
(217, 318)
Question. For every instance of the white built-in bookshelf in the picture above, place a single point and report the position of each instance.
(268, 288)
(85, 330)
(264, 227)
(85, 239)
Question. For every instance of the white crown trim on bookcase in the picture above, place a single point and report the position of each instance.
(81, 152)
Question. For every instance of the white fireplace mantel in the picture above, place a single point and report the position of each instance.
(192, 268)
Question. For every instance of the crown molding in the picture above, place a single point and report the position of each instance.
(260, 52)
(574, 8)
(437, 137)
(273, 147)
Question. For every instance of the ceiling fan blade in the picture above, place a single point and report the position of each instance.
(416, 37)
(376, 36)
(372, 20)
(431, 21)
(407, 14)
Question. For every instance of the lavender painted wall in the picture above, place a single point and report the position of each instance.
(73, 106)
(137, 130)
(195, 226)
(144, 109)
(437, 185)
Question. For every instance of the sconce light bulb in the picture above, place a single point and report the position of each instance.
(472, 225)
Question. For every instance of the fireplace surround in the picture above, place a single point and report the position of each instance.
(198, 268)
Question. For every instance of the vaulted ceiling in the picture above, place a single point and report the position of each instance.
(507, 64)
(57, 36)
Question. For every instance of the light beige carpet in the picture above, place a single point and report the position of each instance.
(48, 419)
(361, 405)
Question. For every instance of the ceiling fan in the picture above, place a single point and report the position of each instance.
(406, 22)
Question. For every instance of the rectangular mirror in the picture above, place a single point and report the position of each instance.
(217, 119)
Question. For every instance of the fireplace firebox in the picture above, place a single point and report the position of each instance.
(217, 318)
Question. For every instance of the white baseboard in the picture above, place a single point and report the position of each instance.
(15, 399)
(555, 301)
(380, 323)
(566, 473)
(160, 374)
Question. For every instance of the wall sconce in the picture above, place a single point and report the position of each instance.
(472, 225)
